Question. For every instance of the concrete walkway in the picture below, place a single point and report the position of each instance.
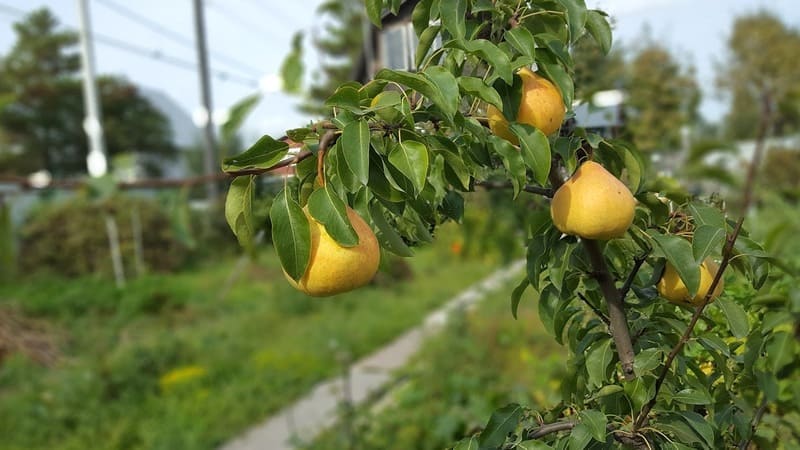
(318, 409)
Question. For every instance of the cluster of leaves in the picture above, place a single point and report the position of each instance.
(403, 148)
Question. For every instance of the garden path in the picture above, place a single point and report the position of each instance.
(318, 410)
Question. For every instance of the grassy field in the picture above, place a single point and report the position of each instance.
(482, 361)
(166, 363)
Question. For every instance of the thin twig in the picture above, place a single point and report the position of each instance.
(727, 253)
(507, 184)
(637, 264)
(548, 428)
(754, 423)
(595, 309)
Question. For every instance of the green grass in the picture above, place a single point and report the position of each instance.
(167, 364)
(482, 361)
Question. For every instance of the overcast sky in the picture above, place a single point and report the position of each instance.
(249, 39)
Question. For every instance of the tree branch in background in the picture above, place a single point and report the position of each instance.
(754, 424)
(727, 253)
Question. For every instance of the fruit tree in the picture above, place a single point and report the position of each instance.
(625, 267)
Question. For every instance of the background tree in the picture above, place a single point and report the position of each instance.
(662, 97)
(341, 46)
(762, 66)
(41, 121)
(595, 70)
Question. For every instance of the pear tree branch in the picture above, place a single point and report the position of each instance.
(616, 310)
(727, 253)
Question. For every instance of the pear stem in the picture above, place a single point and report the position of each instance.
(324, 143)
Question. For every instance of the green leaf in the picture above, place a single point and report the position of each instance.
(411, 159)
(355, 148)
(700, 426)
(238, 113)
(291, 234)
(421, 16)
(453, 14)
(425, 41)
(328, 209)
(346, 97)
(374, 10)
(533, 444)
(522, 40)
(489, 53)
(678, 428)
(535, 150)
(516, 295)
(598, 27)
(691, 396)
(596, 421)
(265, 153)
(502, 422)
(576, 17)
(647, 360)
(736, 317)
(512, 160)
(549, 303)
(607, 390)
(470, 443)
(386, 234)
(446, 84)
(679, 253)
(598, 358)
(239, 209)
(563, 80)
(292, 67)
(707, 241)
(420, 84)
(780, 351)
(579, 437)
(703, 214)
(640, 391)
(476, 87)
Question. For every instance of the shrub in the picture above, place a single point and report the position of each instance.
(70, 238)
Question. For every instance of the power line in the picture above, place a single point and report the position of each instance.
(257, 28)
(149, 53)
(176, 37)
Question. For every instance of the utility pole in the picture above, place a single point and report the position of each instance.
(210, 159)
(92, 124)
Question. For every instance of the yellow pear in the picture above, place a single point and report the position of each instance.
(593, 204)
(333, 269)
(672, 288)
(540, 106)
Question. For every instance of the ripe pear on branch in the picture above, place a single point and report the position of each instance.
(540, 106)
(332, 268)
(593, 204)
(672, 288)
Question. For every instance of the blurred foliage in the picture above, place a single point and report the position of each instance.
(781, 172)
(340, 45)
(189, 360)
(70, 238)
(663, 96)
(762, 65)
(480, 360)
(596, 71)
(41, 120)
